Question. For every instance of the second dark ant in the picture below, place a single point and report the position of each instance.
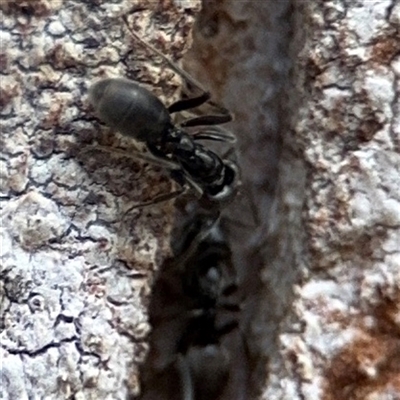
(136, 112)
(203, 360)
(193, 311)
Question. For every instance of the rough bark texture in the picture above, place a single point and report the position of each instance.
(76, 268)
(315, 232)
(326, 205)
(347, 306)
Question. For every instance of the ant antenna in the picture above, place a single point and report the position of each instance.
(172, 64)
(175, 67)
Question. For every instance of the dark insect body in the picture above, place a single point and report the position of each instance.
(201, 280)
(136, 112)
(204, 361)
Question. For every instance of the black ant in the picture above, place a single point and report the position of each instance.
(136, 112)
(203, 361)
(192, 312)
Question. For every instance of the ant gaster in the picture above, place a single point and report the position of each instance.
(136, 112)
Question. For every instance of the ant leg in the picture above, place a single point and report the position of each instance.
(162, 198)
(207, 120)
(136, 155)
(193, 102)
(186, 104)
(180, 105)
(175, 67)
(202, 234)
(215, 133)
(193, 184)
(229, 306)
(180, 71)
(189, 184)
(230, 289)
(185, 378)
(228, 327)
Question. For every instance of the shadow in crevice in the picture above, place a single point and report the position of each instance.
(196, 339)
(242, 53)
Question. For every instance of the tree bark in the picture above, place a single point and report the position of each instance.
(77, 265)
(316, 228)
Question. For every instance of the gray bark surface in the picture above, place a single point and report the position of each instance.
(315, 231)
(76, 267)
